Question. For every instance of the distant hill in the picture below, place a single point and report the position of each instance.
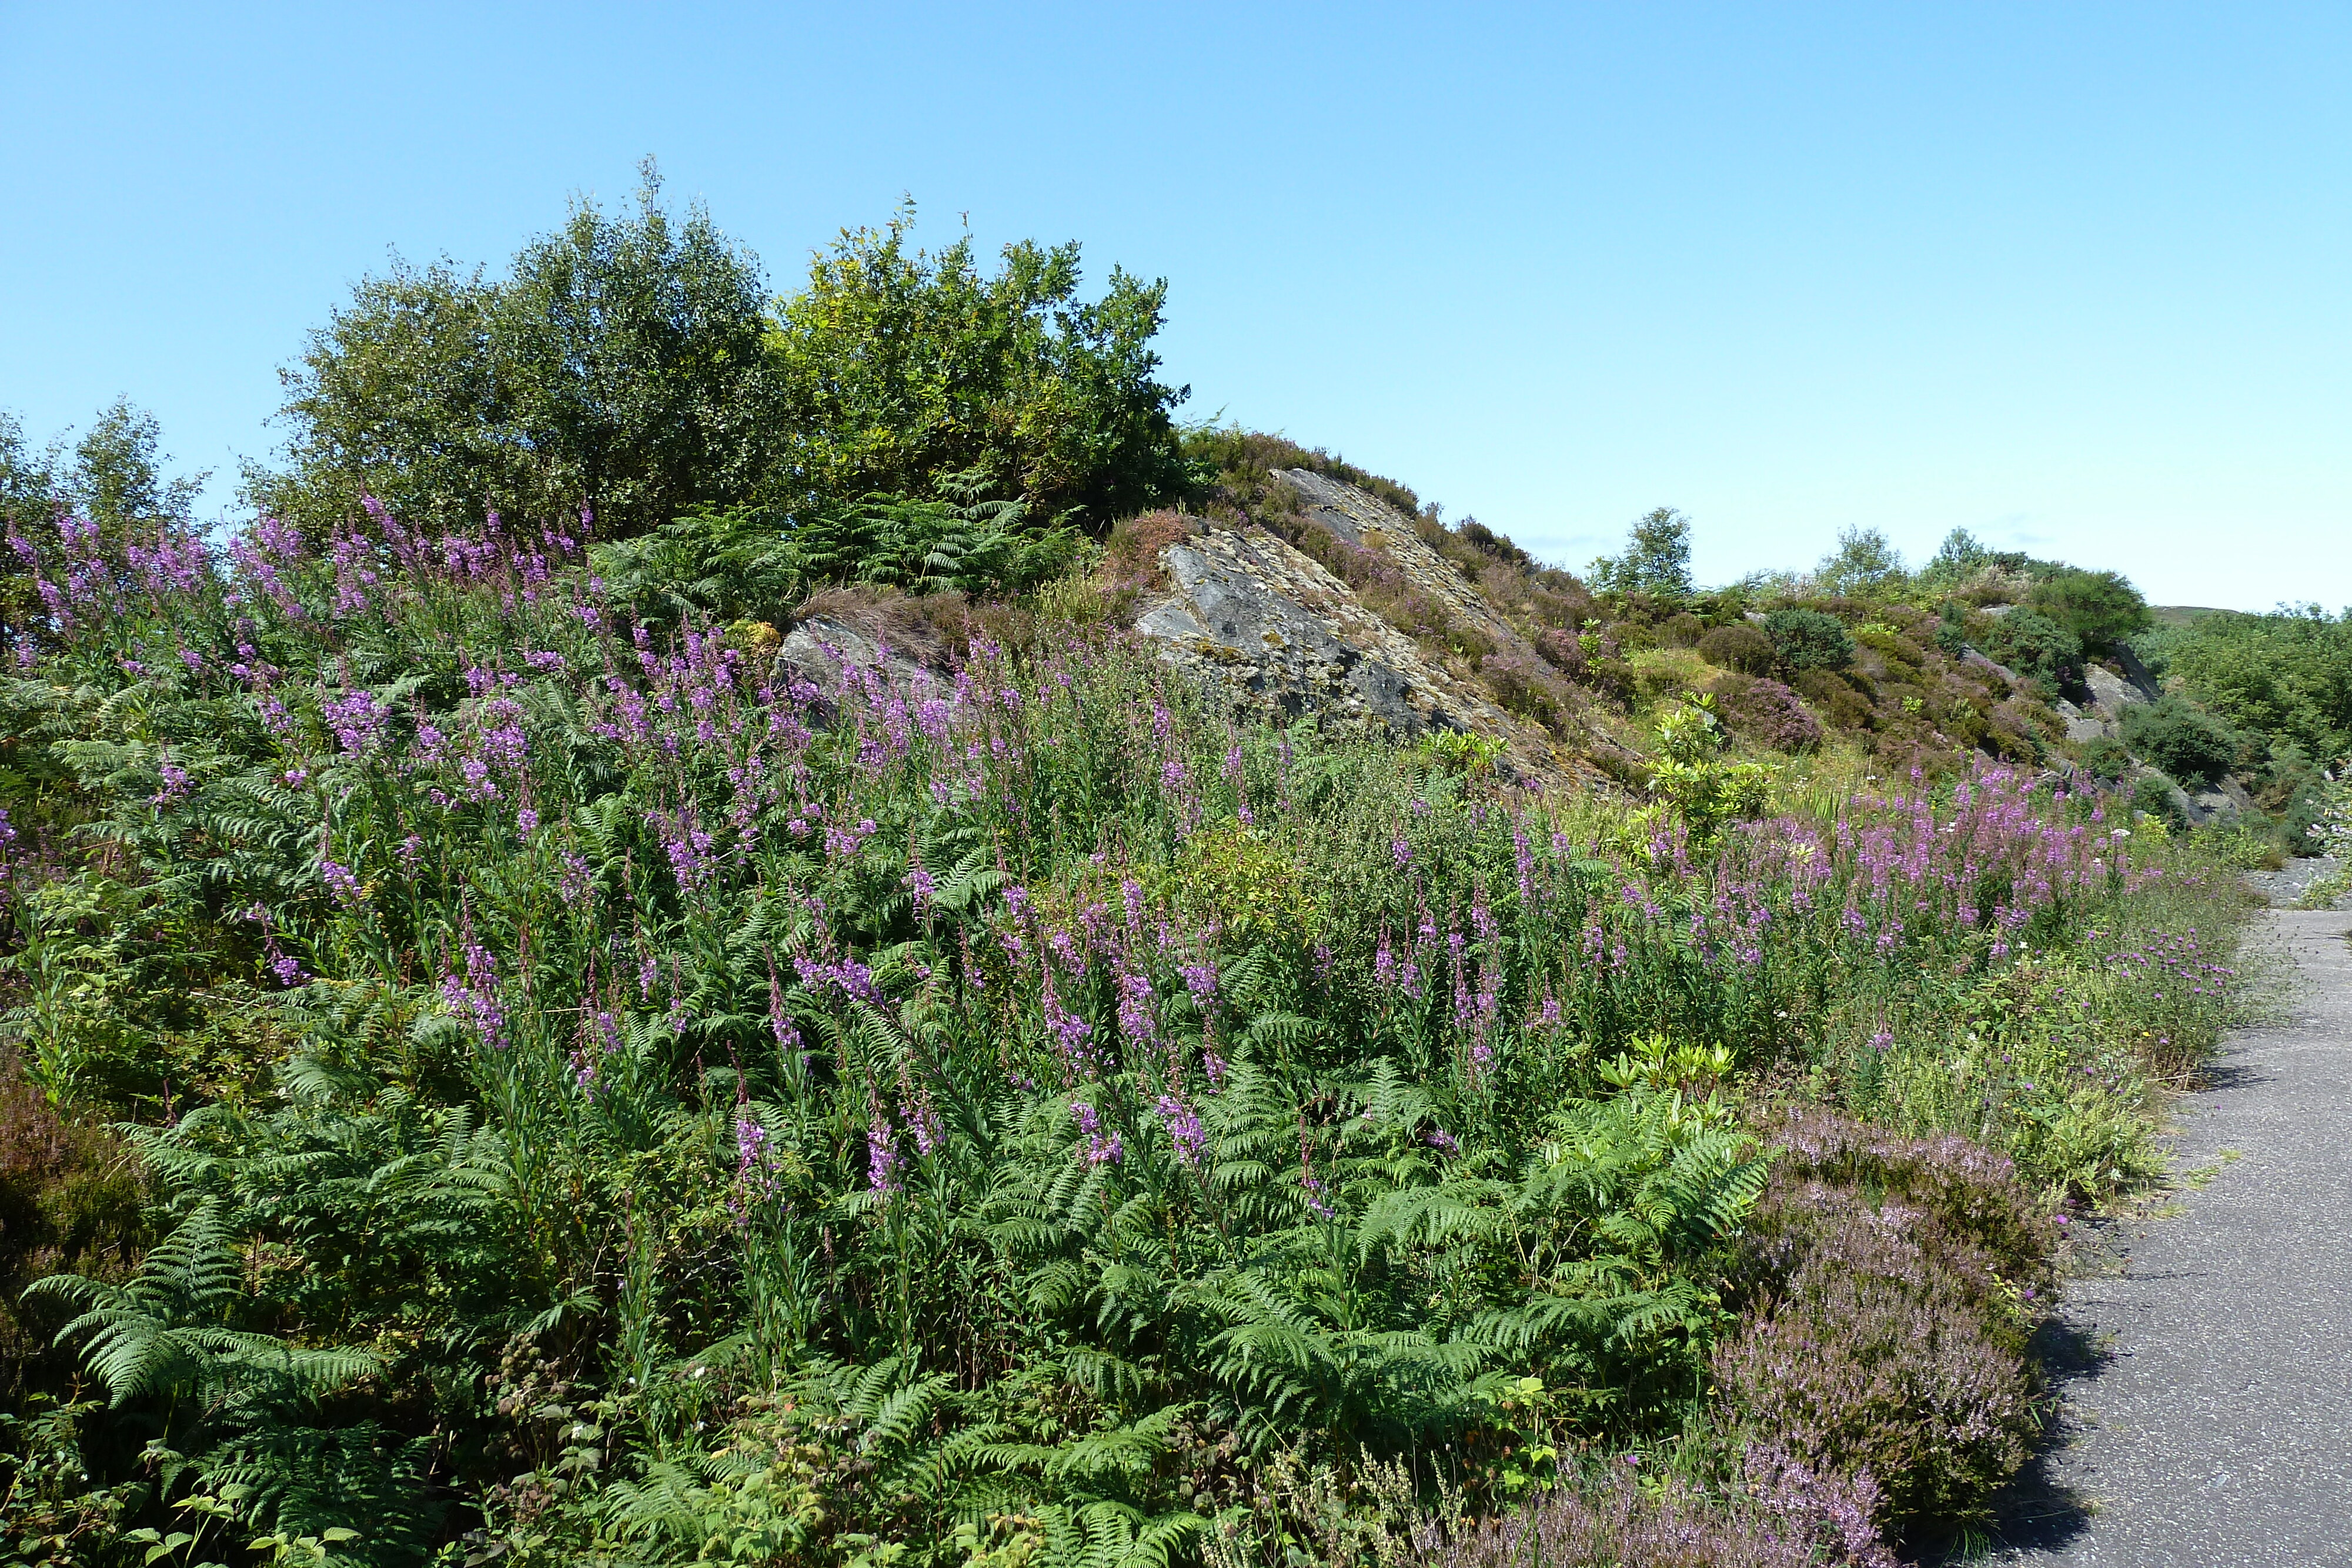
(2179, 614)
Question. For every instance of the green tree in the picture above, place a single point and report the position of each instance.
(632, 350)
(1864, 566)
(1657, 559)
(2286, 674)
(399, 396)
(1960, 554)
(621, 367)
(898, 366)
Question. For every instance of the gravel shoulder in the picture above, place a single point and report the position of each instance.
(2204, 1361)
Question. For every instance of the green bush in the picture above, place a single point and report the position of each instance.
(1683, 630)
(2153, 793)
(2098, 608)
(2181, 738)
(1844, 707)
(637, 364)
(2287, 675)
(2038, 649)
(1739, 647)
(2106, 759)
(1809, 639)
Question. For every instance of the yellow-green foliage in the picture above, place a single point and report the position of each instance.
(1239, 880)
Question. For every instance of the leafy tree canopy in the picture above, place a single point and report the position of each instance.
(2286, 674)
(896, 364)
(1864, 566)
(1657, 560)
(634, 363)
(619, 367)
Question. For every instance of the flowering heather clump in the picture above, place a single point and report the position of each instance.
(1766, 712)
(1616, 1523)
(1882, 1336)
(1974, 1192)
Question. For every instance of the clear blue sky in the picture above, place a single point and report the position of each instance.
(2072, 277)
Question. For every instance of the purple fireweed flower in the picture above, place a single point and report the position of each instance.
(1102, 1148)
(1184, 1131)
(342, 882)
(882, 1157)
(472, 996)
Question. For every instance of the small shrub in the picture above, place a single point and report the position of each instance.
(1969, 1188)
(1135, 546)
(1611, 677)
(2038, 649)
(2181, 738)
(1562, 650)
(1952, 638)
(1526, 687)
(1882, 1336)
(1683, 630)
(1810, 640)
(2155, 794)
(2098, 608)
(1662, 672)
(1791, 1518)
(1846, 708)
(1739, 647)
(2106, 759)
(1892, 645)
(1766, 712)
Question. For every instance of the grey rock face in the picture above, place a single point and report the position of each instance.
(1286, 636)
(2110, 692)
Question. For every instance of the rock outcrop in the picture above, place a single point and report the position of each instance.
(1284, 633)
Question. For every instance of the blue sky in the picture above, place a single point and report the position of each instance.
(2070, 276)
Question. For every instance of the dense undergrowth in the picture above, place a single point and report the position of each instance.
(599, 1094)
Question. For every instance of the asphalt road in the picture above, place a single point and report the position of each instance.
(2206, 1380)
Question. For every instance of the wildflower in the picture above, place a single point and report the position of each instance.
(1102, 1148)
(882, 1159)
(342, 882)
(1184, 1130)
